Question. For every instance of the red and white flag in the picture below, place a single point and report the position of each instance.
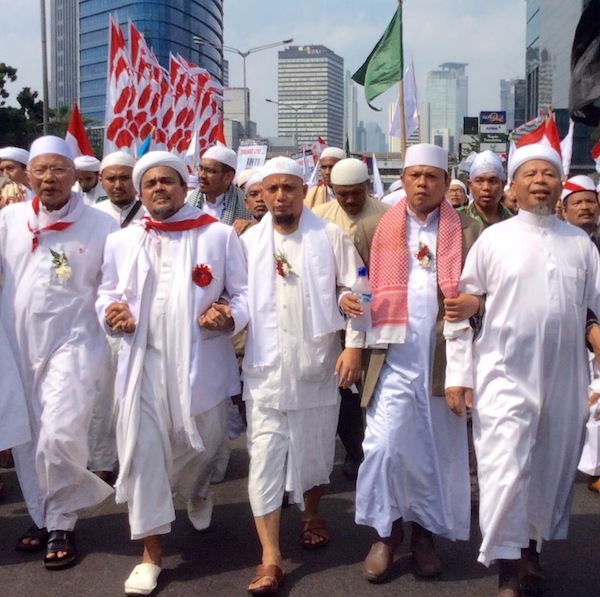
(76, 137)
(596, 155)
(121, 94)
(546, 133)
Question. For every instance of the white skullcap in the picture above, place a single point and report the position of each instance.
(193, 182)
(349, 171)
(534, 151)
(49, 144)
(395, 186)
(158, 158)
(575, 184)
(221, 154)
(426, 154)
(116, 158)
(282, 165)
(16, 154)
(87, 163)
(459, 183)
(333, 152)
(244, 175)
(256, 178)
(486, 162)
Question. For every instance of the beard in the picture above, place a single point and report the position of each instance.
(542, 210)
(284, 219)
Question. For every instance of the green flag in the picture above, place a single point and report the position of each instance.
(384, 66)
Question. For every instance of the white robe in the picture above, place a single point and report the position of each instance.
(301, 379)
(153, 456)
(416, 459)
(54, 334)
(529, 372)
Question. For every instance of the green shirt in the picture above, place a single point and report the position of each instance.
(471, 211)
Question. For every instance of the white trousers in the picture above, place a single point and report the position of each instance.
(151, 509)
(52, 467)
(416, 461)
(289, 451)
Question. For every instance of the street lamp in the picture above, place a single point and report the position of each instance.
(244, 55)
(296, 108)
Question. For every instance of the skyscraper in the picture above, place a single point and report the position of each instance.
(64, 52)
(549, 35)
(311, 95)
(447, 95)
(512, 101)
(351, 111)
(167, 27)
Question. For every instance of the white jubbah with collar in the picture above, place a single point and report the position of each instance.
(120, 214)
(528, 368)
(204, 370)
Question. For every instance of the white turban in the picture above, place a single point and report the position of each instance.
(87, 163)
(50, 144)
(349, 171)
(426, 154)
(158, 158)
(333, 152)
(116, 158)
(576, 184)
(282, 165)
(244, 176)
(486, 162)
(256, 178)
(534, 151)
(221, 154)
(16, 154)
(459, 183)
(395, 186)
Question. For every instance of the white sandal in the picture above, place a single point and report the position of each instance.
(142, 580)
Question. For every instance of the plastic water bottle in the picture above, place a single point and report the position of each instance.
(362, 289)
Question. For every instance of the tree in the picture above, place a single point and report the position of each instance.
(33, 108)
(7, 73)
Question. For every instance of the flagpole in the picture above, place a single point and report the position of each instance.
(401, 97)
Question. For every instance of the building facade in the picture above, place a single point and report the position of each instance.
(447, 93)
(311, 95)
(191, 28)
(64, 53)
(512, 101)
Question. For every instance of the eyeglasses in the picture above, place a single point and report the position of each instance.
(209, 171)
(56, 171)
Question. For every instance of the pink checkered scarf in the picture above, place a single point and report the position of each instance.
(389, 268)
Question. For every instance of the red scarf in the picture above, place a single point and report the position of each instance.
(180, 226)
(390, 258)
(57, 226)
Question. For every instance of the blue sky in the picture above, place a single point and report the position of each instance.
(490, 36)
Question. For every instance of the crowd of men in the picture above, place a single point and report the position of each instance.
(131, 292)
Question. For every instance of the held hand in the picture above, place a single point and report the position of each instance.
(119, 319)
(460, 308)
(351, 306)
(458, 398)
(217, 318)
(348, 367)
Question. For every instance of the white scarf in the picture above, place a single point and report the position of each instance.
(179, 324)
(318, 288)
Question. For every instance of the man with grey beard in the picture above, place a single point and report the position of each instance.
(525, 374)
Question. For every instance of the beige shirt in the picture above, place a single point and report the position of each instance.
(333, 212)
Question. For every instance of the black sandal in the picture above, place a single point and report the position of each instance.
(60, 541)
(33, 532)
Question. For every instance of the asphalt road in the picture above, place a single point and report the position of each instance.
(221, 561)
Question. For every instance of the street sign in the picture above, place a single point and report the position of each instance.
(493, 128)
(492, 118)
(495, 147)
(493, 138)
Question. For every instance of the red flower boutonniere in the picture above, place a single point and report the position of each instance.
(282, 265)
(423, 256)
(202, 275)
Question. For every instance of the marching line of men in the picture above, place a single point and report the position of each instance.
(141, 295)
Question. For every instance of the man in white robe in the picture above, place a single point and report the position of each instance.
(322, 192)
(51, 250)
(296, 262)
(527, 369)
(161, 291)
(88, 179)
(123, 206)
(416, 464)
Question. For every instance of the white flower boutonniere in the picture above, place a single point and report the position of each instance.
(423, 256)
(62, 269)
